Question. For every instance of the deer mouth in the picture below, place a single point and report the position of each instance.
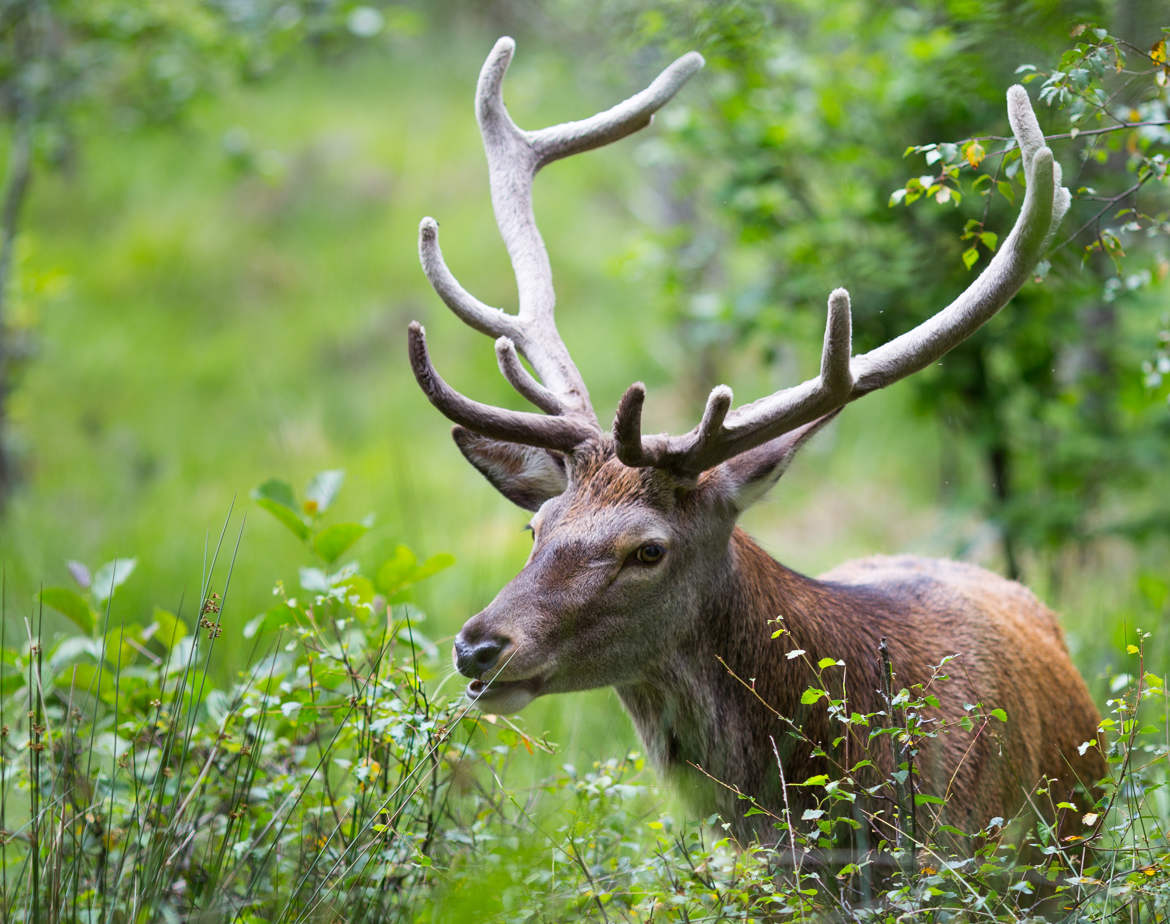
(504, 696)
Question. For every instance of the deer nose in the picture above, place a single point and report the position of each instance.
(476, 658)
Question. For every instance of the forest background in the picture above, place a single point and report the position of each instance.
(209, 261)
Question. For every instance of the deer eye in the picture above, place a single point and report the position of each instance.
(651, 553)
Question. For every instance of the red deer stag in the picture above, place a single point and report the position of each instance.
(640, 579)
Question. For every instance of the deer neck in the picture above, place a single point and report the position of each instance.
(709, 706)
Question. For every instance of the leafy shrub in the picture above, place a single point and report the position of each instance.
(330, 783)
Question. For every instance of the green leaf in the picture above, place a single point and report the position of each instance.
(989, 239)
(277, 498)
(332, 542)
(999, 714)
(827, 662)
(970, 257)
(119, 648)
(289, 518)
(71, 604)
(394, 571)
(166, 628)
(277, 491)
(922, 798)
(1006, 190)
(811, 695)
(110, 576)
(322, 490)
(432, 566)
(403, 570)
(280, 615)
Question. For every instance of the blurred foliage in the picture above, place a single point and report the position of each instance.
(219, 271)
(331, 781)
(68, 65)
(778, 186)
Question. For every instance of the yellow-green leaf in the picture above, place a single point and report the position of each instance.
(72, 604)
(332, 542)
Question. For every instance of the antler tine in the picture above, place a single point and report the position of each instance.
(520, 379)
(844, 379)
(465, 306)
(564, 432)
(514, 156)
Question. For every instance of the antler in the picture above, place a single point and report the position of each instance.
(724, 433)
(514, 156)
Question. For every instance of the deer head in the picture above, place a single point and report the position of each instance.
(633, 532)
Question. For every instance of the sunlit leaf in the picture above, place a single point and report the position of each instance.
(71, 604)
(324, 487)
(289, 518)
(331, 543)
(277, 498)
(166, 628)
(110, 576)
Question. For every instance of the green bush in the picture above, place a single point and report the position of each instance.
(330, 782)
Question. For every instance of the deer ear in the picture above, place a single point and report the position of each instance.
(749, 476)
(526, 475)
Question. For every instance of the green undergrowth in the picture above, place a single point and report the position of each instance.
(339, 777)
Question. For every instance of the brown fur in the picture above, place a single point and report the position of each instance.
(1010, 655)
(681, 641)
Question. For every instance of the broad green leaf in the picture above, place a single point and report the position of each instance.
(999, 714)
(970, 257)
(332, 542)
(289, 518)
(360, 587)
(322, 490)
(110, 576)
(120, 648)
(11, 680)
(394, 572)
(432, 566)
(75, 648)
(87, 678)
(71, 604)
(922, 798)
(277, 491)
(989, 239)
(811, 695)
(167, 628)
(270, 620)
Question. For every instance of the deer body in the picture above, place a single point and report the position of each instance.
(692, 713)
(640, 579)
